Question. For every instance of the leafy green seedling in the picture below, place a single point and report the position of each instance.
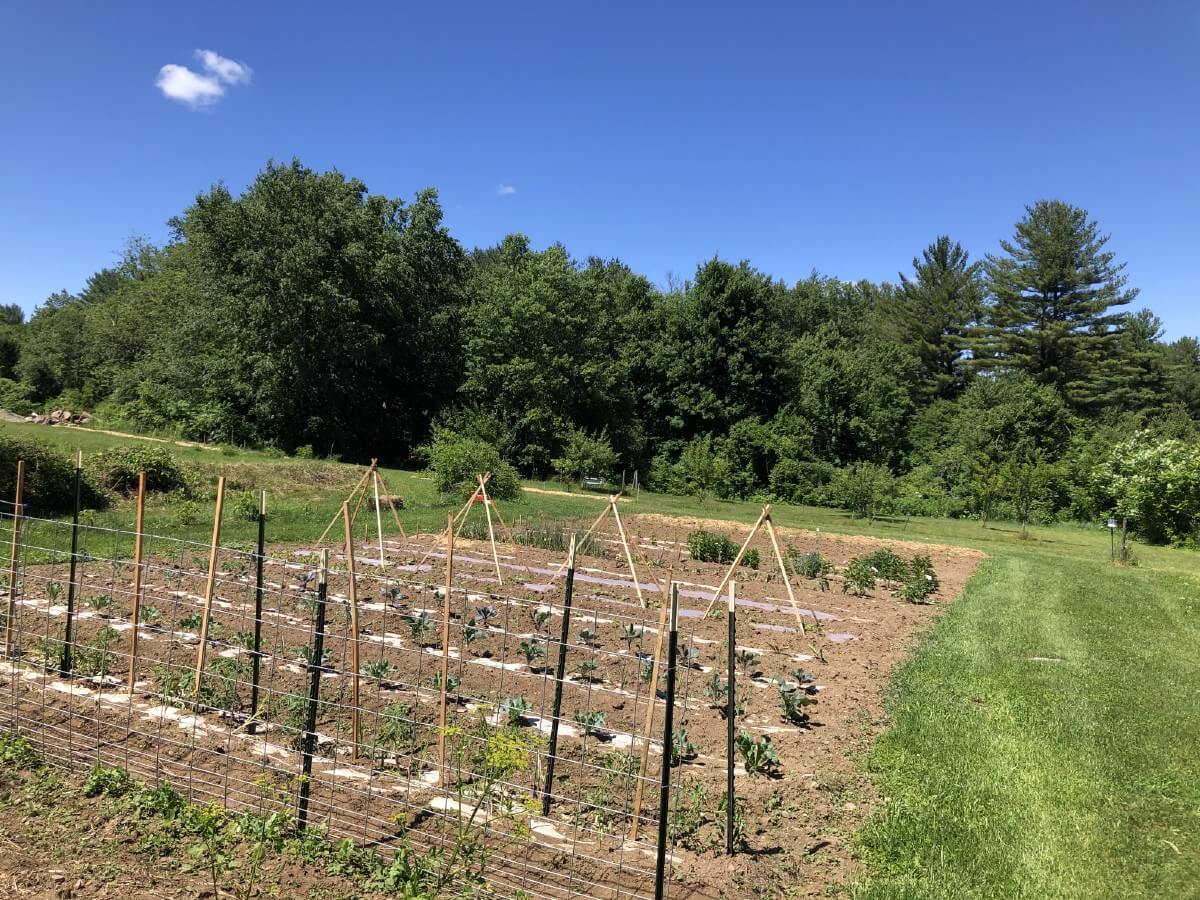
(759, 755)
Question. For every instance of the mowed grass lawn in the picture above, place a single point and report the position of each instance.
(1046, 732)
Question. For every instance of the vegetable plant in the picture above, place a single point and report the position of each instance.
(379, 669)
(101, 603)
(688, 657)
(420, 626)
(631, 633)
(485, 614)
(746, 660)
(682, 748)
(53, 590)
(758, 755)
(540, 616)
(190, 621)
(589, 637)
(453, 683)
(859, 577)
(148, 615)
(533, 651)
(586, 670)
(887, 564)
(592, 722)
(470, 634)
(514, 709)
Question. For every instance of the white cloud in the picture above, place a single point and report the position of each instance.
(197, 90)
(505, 189)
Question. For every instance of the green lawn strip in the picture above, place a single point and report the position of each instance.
(1010, 777)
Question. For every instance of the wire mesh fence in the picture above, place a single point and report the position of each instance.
(367, 693)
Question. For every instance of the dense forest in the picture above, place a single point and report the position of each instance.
(309, 315)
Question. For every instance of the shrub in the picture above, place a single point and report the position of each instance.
(704, 546)
(809, 564)
(585, 456)
(866, 489)
(1156, 484)
(116, 469)
(792, 481)
(887, 565)
(859, 577)
(456, 461)
(49, 478)
(245, 506)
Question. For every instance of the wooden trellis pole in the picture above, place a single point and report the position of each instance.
(612, 502)
(730, 716)
(136, 608)
(378, 517)
(337, 515)
(387, 495)
(202, 651)
(353, 595)
(507, 533)
(783, 570)
(487, 511)
(737, 560)
(445, 648)
(12, 566)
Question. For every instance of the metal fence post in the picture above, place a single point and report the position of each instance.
(560, 672)
(664, 798)
(315, 664)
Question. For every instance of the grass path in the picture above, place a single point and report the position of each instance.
(1074, 775)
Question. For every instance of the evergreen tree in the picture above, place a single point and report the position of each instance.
(1052, 296)
(931, 314)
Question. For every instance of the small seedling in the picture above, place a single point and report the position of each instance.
(759, 755)
(453, 683)
(420, 626)
(592, 722)
(379, 669)
(148, 615)
(689, 657)
(101, 603)
(308, 653)
(587, 669)
(485, 614)
(631, 633)
(682, 748)
(533, 651)
(717, 690)
(514, 710)
(470, 634)
(589, 637)
(746, 660)
(190, 621)
(53, 590)
(540, 616)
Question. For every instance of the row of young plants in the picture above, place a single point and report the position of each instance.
(233, 848)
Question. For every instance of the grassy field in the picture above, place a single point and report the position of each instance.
(1046, 735)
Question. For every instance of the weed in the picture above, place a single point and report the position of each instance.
(107, 781)
(17, 753)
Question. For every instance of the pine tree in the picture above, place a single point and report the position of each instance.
(1051, 301)
(932, 312)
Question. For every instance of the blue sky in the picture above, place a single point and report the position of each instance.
(840, 137)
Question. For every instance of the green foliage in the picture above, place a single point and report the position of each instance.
(116, 469)
(456, 462)
(107, 781)
(809, 564)
(887, 564)
(49, 478)
(859, 577)
(17, 753)
(758, 755)
(1156, 484)
(584, 457)
(591, 721)
(866, 489)
(515, 709)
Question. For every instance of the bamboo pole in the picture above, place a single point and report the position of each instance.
(463, 510)
(508, 534)
(337, 515)
(353, 595)
(445, 648)
(135, 612)
(787, 581)
(12, 566)
(387, 495)
(378, 517)
(587, 534)
(737, 560)
(487, 511)
(202, 650)
(628, 556)
(650, 702)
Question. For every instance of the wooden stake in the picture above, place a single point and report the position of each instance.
(12, 566)
(445, 648)
(651, 700)
(137, 581)
(378, 517)
(387, 495)
(202, 651)
(511, 538)
(587, 534)
(491, 534)
(787, 581)
(353, 594)
(337, 515)
(628, 556)
(730, 715)
(738, 559)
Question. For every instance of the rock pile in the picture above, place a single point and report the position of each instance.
(60, 417)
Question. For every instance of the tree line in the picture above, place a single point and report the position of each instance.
(310, 315)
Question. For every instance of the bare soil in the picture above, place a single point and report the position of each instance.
(797, 823)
